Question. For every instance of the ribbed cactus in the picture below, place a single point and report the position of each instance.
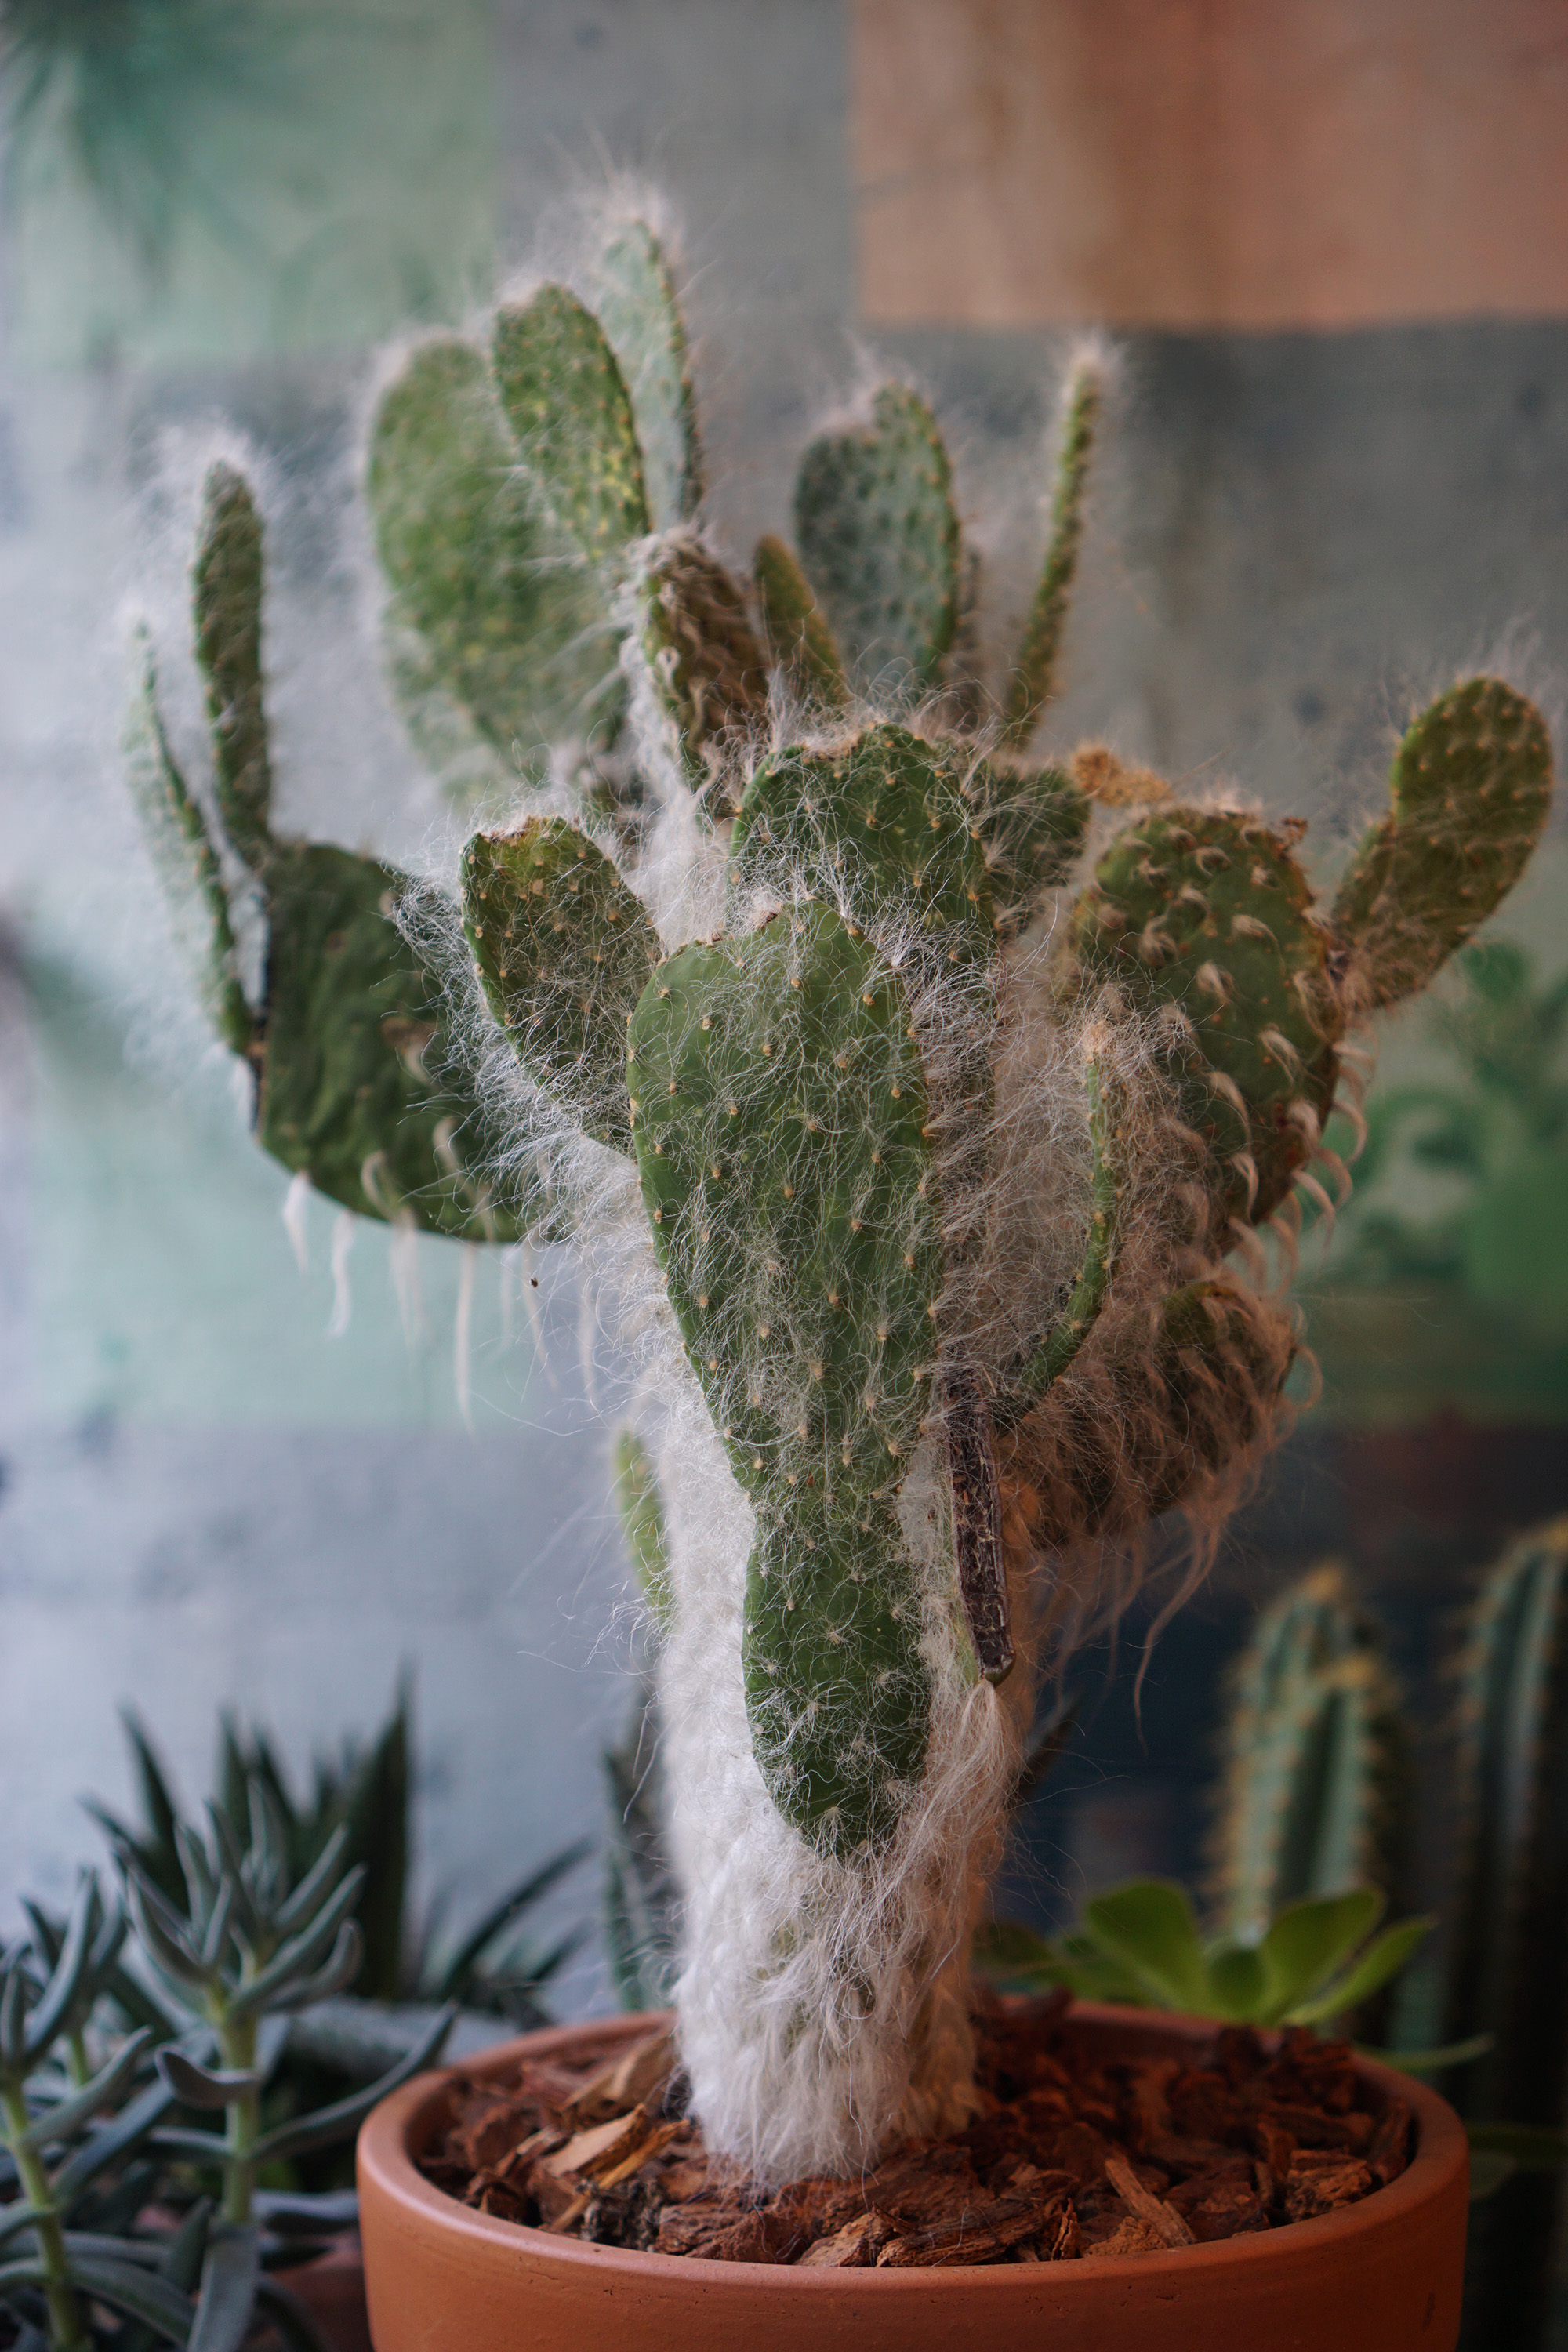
(938, 1198)
(1510, 1913)
(1316, 1790)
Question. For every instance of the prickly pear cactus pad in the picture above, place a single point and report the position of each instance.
(885, 822)
(228, 647)
(879, 539)
(492, 608)
(779, 1116)
(1469, 796)
(346, 1096)
(709, 671)
(563, 950)
(922, 1191)
(568, 404)
(1209, 915)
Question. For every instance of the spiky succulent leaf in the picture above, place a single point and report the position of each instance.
(227, 583)
(515, 629)
(563, 950)
(347, 1095)
(1033, 678)
(708, 670)
(799, 639)
(637, 308)
(779, 1121)
(568, 404)
(1469, 796)
(878, 538)
(184, 859)
(1209, 913)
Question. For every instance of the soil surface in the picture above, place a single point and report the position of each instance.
(1075, 2155)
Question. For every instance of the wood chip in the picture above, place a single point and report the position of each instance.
(601, 2147)
(624, 2082)
(1160, 2217)
(1133, 2236)
(656, 2141)
(979, 2236)
(569, 2215)
(855, 2247)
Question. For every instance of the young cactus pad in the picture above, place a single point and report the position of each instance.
(931, 1192)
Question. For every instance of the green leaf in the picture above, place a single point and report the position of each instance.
(1531, 2148)
(57, 2124)
(1238, 1983)
(204, 2086)
(1432, 2061)
(1307, 1941)
(112, 2142)
(341, 2121)
(1006, 1949)
(140, 2294)
(1148, 1927)
(1380, 1961)
(227, 2298)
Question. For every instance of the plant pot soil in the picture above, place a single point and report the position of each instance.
(1376, 2275)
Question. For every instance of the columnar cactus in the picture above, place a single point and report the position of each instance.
(1316, 1793)
(1505, 1965)
(935, 1220)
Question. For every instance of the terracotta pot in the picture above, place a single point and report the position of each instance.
(1381, 2276)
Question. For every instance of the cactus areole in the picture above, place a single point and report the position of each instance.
(928, 1109)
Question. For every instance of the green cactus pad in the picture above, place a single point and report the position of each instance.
(1469, 793)
(226, 581)
(347, 1095)
(885, 825)
(515, 629)
(1209, 912)
(799, 638)
(1034, 678)
(641, 318)
(183, 860)
(565, 951)
(1034, 827)
(877, 533)
(779, 1112)
(569, 407)
(708, 668)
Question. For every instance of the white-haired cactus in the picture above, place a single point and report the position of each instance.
(933, 1221)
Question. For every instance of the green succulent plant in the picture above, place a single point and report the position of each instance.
(771, 955)
(1315, 1961)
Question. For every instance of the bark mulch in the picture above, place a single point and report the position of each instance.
(1074, 2156)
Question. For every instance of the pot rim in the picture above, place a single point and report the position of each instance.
(403, 2122)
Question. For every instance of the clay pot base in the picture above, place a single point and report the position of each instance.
(1382, 2272)
(1074, 2156)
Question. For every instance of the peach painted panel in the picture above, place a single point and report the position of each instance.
(1210, 163)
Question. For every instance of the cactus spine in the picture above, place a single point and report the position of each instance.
(938, 1200)
(1316, 1769)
